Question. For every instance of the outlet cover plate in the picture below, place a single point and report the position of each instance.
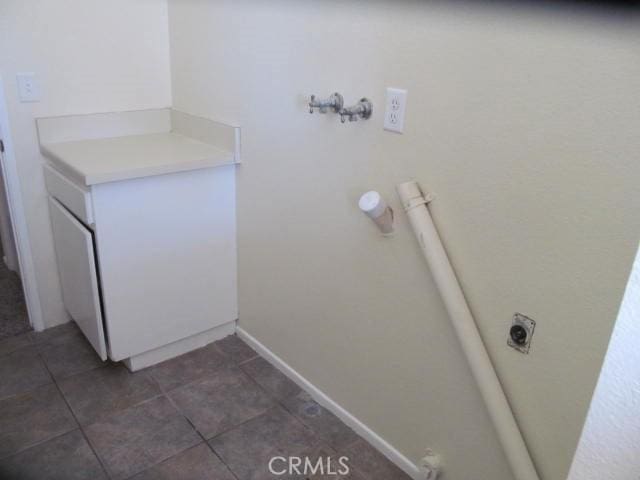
(395, 110)
(28, 87)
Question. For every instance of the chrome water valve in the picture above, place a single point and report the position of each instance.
(363, 109)
(335, 103)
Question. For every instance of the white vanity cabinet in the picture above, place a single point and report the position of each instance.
(145, 238)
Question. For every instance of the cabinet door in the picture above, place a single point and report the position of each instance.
(78, 276)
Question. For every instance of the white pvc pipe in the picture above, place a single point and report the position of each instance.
(515, 449)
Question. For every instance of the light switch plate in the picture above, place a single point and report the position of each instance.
(28, 87)
(395, 111)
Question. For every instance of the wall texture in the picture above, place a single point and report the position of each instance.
(90, 56)
(610, 441)
(523, 121)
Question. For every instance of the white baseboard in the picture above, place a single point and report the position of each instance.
(323, 399)
(180, 347)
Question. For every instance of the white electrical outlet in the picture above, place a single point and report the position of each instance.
(396, 107)
(28, 88)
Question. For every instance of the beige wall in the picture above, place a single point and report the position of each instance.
(89, 56)
(524, 123)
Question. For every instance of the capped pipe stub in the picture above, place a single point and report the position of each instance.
(372, 204)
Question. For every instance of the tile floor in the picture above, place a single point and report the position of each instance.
(218, 413)
(13, 310)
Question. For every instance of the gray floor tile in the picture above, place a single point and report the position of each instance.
(197, 463)
(11, 344)
(248, 448)
(188, 368)
(270, 378)
(98, 393)
(68, 457)
(138, 431)
(329, 427)
(236, 349)
(10, 289)
(371, 463)
(11, 298)
(22, 371)
(31, 418)
(69, 354)
(53, 332)
(140, 437)
(14, 319)
(221, 401)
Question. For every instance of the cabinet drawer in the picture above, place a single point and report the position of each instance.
(75, 198)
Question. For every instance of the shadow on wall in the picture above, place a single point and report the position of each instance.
(577, 6)
(617, 10)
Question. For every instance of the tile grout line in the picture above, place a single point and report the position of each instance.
(280, 403)
(37, 444)
(80, 427)
(238, 365)
(247, 360)
(149, 399)
(230, 362)
(115, 412)
(179, 410)
(233, 474)
(243, 423)
(40, 442)
(148, 374)
(11, 352)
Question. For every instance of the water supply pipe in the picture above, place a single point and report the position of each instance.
(509, 435)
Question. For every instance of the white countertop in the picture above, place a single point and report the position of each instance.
(122, 158)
